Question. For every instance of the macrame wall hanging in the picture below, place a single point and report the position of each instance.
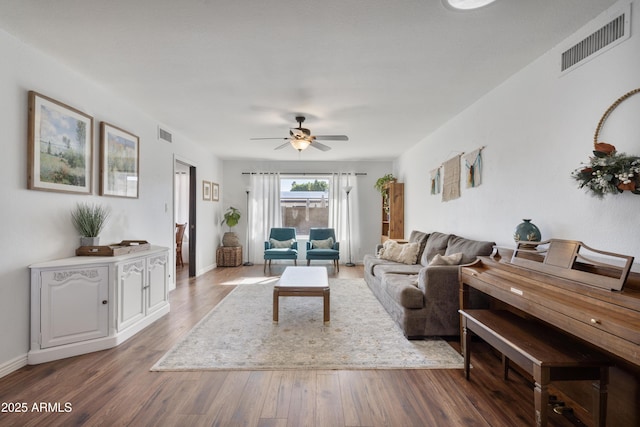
(451, 182)
(473, 168)
(609, 172)
(435, 180)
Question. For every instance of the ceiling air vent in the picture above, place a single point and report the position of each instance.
(164, 135)
(608, 36)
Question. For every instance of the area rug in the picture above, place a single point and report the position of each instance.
(239, 334)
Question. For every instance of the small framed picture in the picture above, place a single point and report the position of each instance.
(119, 162)
(60, 154)
(215, 195)
(206, 190)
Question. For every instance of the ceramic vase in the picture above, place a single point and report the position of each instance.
(230, 239)
(527, 231)
(89, 241)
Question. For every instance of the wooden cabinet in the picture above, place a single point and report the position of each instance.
(84, 304)
(393, 211)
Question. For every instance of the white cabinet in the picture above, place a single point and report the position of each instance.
(157, 283)
(74, 305)
(142, 288)
(85, 304)
(131, 287)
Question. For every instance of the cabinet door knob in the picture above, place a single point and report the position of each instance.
(595, 321)
(104, 301)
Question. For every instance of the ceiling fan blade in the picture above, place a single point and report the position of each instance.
(332, 137)
(319, 146)
(256, 139)
(279, 147)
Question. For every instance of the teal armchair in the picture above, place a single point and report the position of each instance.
(282, 244)
(320, 247)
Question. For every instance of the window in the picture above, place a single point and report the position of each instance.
(304, 202)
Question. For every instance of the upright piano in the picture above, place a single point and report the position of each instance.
(589, 294)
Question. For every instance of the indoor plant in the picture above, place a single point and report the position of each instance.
(383, 181)
(231, 218)
(380, 185)
(89, 220)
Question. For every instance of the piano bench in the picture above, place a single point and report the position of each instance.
(542, 352)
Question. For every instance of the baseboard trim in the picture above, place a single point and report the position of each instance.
(13, 365)
(206, 269)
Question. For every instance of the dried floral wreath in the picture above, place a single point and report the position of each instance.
(609, 172)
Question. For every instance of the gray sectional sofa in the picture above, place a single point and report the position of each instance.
(423, 299)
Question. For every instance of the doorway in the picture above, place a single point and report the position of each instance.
(185, 212)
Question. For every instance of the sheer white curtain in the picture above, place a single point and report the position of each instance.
(264, 211)
(338, 213)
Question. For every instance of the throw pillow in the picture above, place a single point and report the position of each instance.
(322, 244)
(280, 244)
(390, 250)
(453, 259)
(406, 253)
(419, 237)
(384, 251)
(469, 248)
(436, 244)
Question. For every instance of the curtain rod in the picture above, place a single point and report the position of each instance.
(310, 173)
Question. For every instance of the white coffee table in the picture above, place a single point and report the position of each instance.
(302, 282)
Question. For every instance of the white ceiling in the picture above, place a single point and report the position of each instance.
(384, 72)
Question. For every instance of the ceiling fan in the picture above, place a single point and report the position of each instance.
(300, 138)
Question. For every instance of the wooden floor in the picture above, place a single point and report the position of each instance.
(115, 387)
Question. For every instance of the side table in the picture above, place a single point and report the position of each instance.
(229, 256)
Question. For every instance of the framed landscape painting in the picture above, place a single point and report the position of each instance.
(60, 142)
(119, 162)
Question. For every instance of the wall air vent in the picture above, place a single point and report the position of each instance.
(613, 33)
(164, 135)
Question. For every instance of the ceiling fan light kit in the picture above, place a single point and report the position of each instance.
(467, 4)
(300, 144)
(300, 138)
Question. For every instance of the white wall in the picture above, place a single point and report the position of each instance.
(537, 127)
(368, 223)
(36, 224)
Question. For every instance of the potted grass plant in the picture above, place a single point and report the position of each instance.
(89, 220)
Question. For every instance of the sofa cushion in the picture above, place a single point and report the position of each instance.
(403, 289)
(406, 253)
(370, 261)
(470, 248)
(323, 253)
(396, 267)
(436, 244)
(421, 238)
(453, 259)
